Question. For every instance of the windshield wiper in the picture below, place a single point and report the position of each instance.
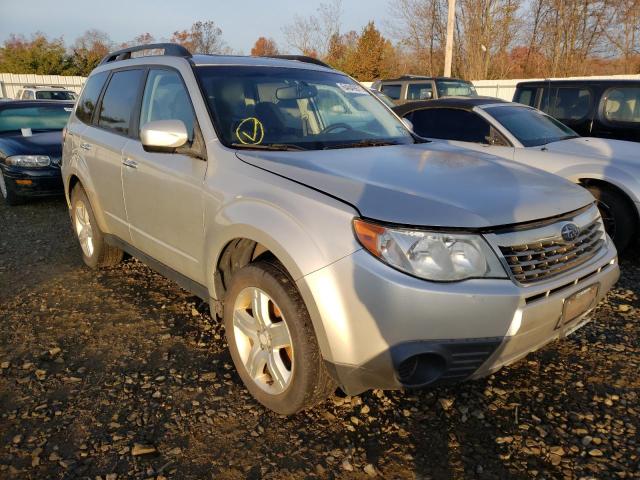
(361, 144)
(281, 147)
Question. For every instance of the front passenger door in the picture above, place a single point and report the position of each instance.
(163, 191)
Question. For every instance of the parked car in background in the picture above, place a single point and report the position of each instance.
(31, 147)
(609, 169)
(413, 88)
(46, 93)
(338, 247)
(592, 108)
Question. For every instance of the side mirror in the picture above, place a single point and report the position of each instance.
(163, 135)
(408, 123)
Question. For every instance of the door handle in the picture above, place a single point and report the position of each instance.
(85, 146)
(127, 162)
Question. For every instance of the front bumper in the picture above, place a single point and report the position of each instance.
(33, 182)
(376, 325)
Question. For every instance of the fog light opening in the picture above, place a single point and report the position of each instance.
(420, 370)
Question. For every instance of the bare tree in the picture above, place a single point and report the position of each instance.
(312, 35)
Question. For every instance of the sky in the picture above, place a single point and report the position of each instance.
(241, 21)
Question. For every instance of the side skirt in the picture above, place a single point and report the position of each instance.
(189, 285)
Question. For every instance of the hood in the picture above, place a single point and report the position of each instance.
(44, 143)
(432, 184)
(602, 148)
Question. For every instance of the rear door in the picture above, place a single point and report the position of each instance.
(103, 142)
(573, 105)
(163, 191)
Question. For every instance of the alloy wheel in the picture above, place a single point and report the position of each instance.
(263, 340)
(83, 228)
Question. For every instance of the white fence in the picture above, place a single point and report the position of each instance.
(505, 89)
(11, 83)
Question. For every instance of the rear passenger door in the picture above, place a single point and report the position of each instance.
(572, 105)
(102, 142)
(163, 191)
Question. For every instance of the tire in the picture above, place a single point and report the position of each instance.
(8, 194)
(618, 215)
(96, 252)
(301, 380)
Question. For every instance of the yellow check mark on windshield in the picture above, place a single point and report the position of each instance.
(254, 135)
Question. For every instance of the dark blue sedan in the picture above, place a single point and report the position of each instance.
(31, 148)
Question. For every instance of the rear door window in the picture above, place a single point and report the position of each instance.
(451, 124)
(622, 104)
(392, 90)
(90, 94)
(419, 91)
(526, 96)
(567, 103)
(119, 100)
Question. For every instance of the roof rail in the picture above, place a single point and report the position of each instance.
(302, 58)
(169, 49)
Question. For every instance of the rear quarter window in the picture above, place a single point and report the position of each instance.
(391, 91)
(526, 96)
(89, 98)
(622, 105)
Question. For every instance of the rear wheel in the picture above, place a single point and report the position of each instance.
(272, 341)
(618, 216)
(6, 190)
(95, 251)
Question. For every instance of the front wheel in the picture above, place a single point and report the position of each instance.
(95, 251)
(272, 341)
(617, 215)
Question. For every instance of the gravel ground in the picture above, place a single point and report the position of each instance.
(120, 374)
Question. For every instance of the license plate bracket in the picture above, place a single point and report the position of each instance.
(577, 304)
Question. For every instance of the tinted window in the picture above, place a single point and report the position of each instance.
(119, 99)
(35, 118)
(526, 96)
(165, 98)
(450, 124)
(89, 98)
(28, 95)
(419, 91)
(55, 95)
(391, 91)
(622, 104)
(567, 103)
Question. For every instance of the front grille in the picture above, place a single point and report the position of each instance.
(549, 257)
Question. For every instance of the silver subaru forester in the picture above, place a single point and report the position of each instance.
(338, 248)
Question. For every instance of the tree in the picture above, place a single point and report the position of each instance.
(38, 55)
(88, 50)
(202, 37)
(311, 35)
(373, 55)
(264, 47)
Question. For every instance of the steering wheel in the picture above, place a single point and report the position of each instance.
(336, 126)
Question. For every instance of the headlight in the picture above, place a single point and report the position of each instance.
(28, 161)
(436, 256)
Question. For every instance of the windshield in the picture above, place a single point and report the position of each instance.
(286, 108)
(455, 88)
(50, 117)
(55, 95)
(531, 127)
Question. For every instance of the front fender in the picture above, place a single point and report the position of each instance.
(612, 174)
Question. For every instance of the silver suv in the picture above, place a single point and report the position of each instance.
(338, 248)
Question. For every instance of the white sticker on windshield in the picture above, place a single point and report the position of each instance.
(68, 109)
(351, 88)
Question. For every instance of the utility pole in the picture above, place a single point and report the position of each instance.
(448, 49)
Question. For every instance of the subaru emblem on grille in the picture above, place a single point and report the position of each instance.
(569, 232)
